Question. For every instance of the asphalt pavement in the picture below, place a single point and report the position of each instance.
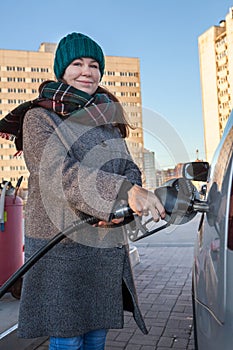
(163, 281)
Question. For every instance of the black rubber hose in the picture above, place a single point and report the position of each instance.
(42, 251)
(149, 233)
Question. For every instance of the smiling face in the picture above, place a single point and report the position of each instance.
(83, 74)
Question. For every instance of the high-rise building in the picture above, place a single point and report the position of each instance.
(216, 70)
(21, 73)
(149, 170)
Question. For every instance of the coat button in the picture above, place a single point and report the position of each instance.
(103, 144)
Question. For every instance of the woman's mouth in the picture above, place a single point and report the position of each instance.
(85, 82)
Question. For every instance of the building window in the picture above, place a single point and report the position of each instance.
(20, 69)
(37, 69)
(11, 79)
(10, 68)
(37, 80)
(20, 80)
(44, 70)
(11, 90)
(21, 91)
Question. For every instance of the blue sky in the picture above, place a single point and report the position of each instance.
(163, 34)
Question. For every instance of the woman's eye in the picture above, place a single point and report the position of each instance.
(94, 66)
(77, 63)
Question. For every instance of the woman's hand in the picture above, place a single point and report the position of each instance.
(105, 223)
(143, 202)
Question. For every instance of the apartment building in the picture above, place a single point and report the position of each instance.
(21, 73)
(216, 71)
(122, 77)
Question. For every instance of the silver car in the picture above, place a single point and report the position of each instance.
(212, 283)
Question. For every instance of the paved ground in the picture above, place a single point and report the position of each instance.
(163, 279)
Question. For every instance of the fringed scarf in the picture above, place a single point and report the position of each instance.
(64, 100)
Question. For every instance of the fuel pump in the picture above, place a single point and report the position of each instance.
(11, 232)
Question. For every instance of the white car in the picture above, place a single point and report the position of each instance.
(212, 282)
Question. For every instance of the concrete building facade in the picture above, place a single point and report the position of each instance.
(21, 73)
(216, 71)
(149, 170)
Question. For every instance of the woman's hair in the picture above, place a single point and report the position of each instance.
(122, 123)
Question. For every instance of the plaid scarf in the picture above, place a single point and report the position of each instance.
(64, 100)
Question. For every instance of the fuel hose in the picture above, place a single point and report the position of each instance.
(42, 251)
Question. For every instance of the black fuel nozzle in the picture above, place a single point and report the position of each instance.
(178, 196)
(122, 212)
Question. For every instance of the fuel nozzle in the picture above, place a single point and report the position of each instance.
(122, 212)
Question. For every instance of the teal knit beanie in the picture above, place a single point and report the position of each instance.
(73, 46)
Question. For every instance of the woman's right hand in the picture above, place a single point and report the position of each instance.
(143, 202)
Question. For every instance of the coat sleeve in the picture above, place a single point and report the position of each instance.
(133, 173)
(63, 178)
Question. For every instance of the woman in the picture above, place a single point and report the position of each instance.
(74, 148)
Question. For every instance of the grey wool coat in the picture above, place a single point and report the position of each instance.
(85, 282)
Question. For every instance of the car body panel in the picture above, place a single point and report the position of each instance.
(213, 260)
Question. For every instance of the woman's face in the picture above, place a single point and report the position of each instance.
(83, 74)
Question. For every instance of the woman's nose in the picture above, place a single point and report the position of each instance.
(86, 70)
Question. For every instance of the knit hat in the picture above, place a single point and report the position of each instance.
(73, 46)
